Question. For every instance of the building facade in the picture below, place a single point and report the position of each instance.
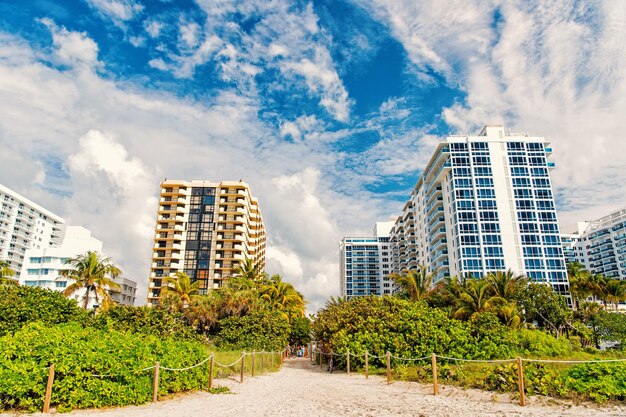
(42, 267)
(599, 245)
(365, 263)
(205, 229)
(25, 225)
(483, 203)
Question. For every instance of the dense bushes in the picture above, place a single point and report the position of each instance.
(80, 352)
(145, 320)
(261, 330)
(20, 305)
(408, 329)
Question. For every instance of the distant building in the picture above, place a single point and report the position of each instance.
(205, 229)
(483, 203)
(42, 267)
(25, 225)
(600, 245)
(365, 263)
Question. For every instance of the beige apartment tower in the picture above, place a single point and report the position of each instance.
(205, 229)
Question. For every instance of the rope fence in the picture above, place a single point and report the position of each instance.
(157, 368)
(316, 352)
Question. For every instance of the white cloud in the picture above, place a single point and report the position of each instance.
(555, 69)
(72, 48)
(117, 10)
(323, 79)
(189, 34)
(117, 141)
(153, 28)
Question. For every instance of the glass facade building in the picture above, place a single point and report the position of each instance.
(484, 203)
(365, 264)
(600, 245)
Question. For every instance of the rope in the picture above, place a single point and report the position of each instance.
(226, 366)
(410, 359)
(187, 368)
(566, 361)
(477, 360)
(111, 375)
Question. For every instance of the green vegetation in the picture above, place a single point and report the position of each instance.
(500, 316)
(22, 305)
(6, 274)
(93, 274)
(102, 359)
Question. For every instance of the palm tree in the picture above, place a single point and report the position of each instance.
(334, 302)
(248, 269)
(283, 297)
(93, 274)
(615, 292)
(580, 285)
(181, 288)
(6, 273)
(597, 284)
(416, 283)
(505, 284)
(475, 298)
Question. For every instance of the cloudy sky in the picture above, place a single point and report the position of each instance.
(329, 109)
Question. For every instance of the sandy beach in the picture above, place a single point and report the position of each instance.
(300, 389)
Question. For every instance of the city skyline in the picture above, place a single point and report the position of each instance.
(329, 110)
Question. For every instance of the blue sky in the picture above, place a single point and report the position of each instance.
(329, 109)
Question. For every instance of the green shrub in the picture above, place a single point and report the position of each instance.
(20, 305)
(260, 330)
(538, 343)
(146, 320)
(80, 352)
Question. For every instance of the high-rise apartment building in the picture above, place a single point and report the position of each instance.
(205, 229)
(25, 225)
(42, 267)
(599, 245)
(365, 263)
(483, 203)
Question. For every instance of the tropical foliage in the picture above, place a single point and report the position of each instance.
(6, 273)
(415, 283)
(92, 274)
(21, 305)
(93, 367)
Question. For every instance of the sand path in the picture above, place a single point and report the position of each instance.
(301, 389)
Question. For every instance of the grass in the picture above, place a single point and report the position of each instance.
(263, 363)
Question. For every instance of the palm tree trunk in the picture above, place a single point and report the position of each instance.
(87, 290)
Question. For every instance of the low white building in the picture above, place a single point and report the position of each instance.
(42, 267)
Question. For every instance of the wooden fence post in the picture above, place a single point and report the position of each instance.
(252, 364)
(211, 371)
(388, 368)
(46, 400)
(520, 381)
(263, 361)
(435, 383)
(367, 368)
(243, 366)
(348, 361)
(155, 382)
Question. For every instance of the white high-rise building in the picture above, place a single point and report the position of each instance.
(42, 267)
(25, 225)
(365, 263)
(484, 203)
(600, 245)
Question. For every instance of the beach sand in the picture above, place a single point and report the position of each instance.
(300, 389)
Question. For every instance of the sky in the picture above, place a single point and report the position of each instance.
(329, 109)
